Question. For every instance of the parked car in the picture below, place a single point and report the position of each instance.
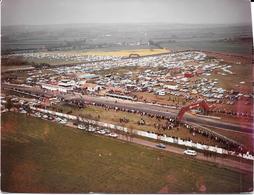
(91, 129)
(23, 111)
(50, 118)
(4, 110)
(102, 132)
(114, 135)
(57, 119)
(107, 131)
(45, 116)
(160, 145)
(37, 114)
(190, 152)
(63, 121)
(82, 127)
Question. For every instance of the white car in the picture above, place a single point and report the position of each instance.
(37, 114)
(4, 110)
(190, 152)
(23, 111)
(102, 132)
(114, 135)
(45, 116)
(91, 129)
(58, 119)
(107, 131)
(81, 127)
(63, 121)
(160, 145)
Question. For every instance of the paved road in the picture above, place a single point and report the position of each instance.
(148, 108)
(164, 111)
(227, 162)
(236, 165)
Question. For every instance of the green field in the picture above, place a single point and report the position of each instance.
(40, 156)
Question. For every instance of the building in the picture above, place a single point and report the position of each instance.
(124, 97)
(56, 88)
(88, 76)
(91, 87)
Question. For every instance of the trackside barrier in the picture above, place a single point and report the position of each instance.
(148, 134)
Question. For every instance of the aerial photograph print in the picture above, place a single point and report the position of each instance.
(127, 96)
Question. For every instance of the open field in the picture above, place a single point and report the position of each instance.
(231, 57)
(69, 55)
(166, 99)
(126, 53)
(242, 73)
(39, 156)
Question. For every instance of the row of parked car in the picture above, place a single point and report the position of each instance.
(48, 117)
(91, 128)
(97, 130)
(88, 128)
(61, 120)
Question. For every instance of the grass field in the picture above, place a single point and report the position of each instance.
(242, 72)
(125, 53)
(120, 53)
(40, 156)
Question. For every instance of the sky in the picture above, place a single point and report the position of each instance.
(39, 12)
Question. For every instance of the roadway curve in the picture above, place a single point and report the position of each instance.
(142, 107)
(162, 110)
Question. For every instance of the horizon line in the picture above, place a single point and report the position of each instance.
(127, 23)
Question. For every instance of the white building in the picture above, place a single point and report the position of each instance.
(56, 88)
